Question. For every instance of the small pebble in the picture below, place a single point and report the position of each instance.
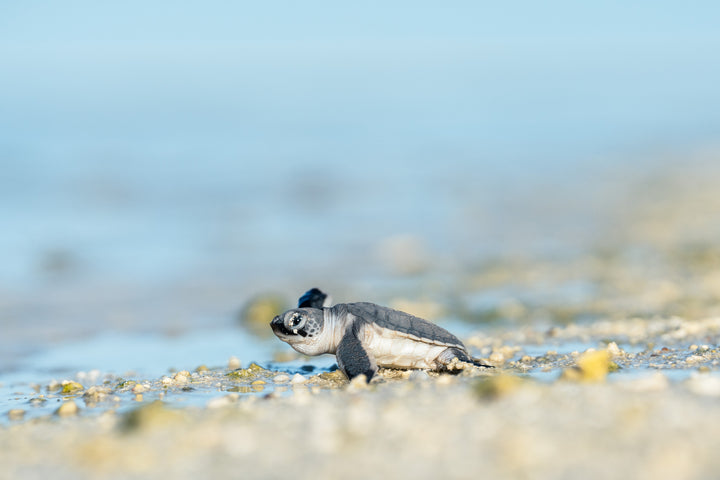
(418, 376)
(497, 357)
(96, 394)
(139, 388)
(297, 379)
(358, 383)
(166, 380)
(613, 349)
(37, 401)
(234, 363)
(282, 378)
(67, 409)
(68, 386)
(16, 414)
(592, 366)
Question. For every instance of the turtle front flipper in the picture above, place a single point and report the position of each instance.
(313, 298)
(352, 357)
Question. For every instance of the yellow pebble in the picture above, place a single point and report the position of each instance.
(138, 388)
(592, 366)
(16, 414)
(67, 409)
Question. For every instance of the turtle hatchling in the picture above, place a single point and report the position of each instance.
(364, 336)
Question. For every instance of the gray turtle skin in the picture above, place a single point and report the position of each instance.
(364, 336)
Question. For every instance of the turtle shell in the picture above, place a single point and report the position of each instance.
(404, 323)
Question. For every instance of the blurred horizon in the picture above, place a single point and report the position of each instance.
(155, 144)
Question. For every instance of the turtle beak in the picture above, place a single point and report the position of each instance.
(278, 327)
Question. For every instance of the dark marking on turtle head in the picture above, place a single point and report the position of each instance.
(314, 298)
(298, 324)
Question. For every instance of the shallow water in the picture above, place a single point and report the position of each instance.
(111, 359)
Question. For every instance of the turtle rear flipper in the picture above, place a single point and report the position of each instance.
(448, 360)
(352, 357)
(479, 363)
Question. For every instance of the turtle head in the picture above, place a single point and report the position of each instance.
(301, 327)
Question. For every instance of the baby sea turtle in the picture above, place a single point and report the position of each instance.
(364, 336)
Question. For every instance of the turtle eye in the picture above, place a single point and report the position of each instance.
(295, 320)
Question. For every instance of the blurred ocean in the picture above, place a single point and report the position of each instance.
(148, 148)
